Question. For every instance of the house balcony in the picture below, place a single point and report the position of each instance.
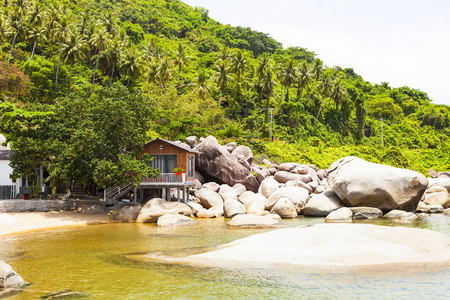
(167, 179)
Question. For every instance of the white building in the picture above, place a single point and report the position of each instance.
(8, 188)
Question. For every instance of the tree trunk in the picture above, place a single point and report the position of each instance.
(32, 51)
(57, 69)
(14, 40)
(95, 71)
(112, 74)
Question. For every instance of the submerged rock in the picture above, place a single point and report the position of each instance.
(9, 278)
(175, 221)
(364, 212)
(254, 221)
(334, 247)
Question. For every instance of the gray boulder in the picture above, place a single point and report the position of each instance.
(429, 209)
(213, 186)
(283, 177)
(341, 215)
(209, 198)
(232, 208)
(320, 205)
(243, 151)
(268, 186)
(253, 221)
(285, 209)
(217, 163)
(191, 141)
(9, 278)
(128, 213)
(231, 146)
(287, 167)
(364, 212)
(361, 183)
(158, 207)
(297, 195)
(175, 221)
(227, 193)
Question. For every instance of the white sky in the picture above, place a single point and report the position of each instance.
(403, 42)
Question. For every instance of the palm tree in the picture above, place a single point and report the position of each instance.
(54, 14)
(73, 49)
(202, 86)
(132, 64)
(37, 34)
(267, 84)
(223, 54)
(62, 32)
(304, 77)
(317, 68)
(239, 64)
(99, 40)
(181, 58)
(108, 20)
(5, 29)
(222, 76)
(85, 22)
(20, 7)
(164, 72)
(287, 74)
(112, 56)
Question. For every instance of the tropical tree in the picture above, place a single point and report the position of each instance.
(304, 77)
(222, 77)
(111, 56)
(108, 21)
(62, 32)
(181, 58)
(239, 65)
(99, 41)
(5, 29)
(132, 64)
(164, 73)
(73, 49)
(20, 8)
(201, 85)
(287, 74)
(54, 13)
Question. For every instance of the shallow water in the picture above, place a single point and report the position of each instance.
(97, 260)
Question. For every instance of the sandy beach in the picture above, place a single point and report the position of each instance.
(14, 223)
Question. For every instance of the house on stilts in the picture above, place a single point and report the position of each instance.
(167, 155)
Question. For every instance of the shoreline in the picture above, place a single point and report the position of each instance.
(25, 222)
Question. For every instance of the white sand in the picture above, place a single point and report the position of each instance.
(13, 223)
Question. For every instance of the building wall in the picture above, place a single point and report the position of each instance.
(162, 148)
(5, 170)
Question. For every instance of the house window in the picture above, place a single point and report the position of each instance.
(190, 166)
(165, 163)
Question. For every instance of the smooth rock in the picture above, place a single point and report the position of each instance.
(334, 248)
(191, 141)
(158, 207)
(245, 151)
(253, 221)
(340, 215)
(430, 209)
(232, 208)
(231, 146)
(361, 183)
(128, 213)
(199, 177)
(439, 197)
(209, 198)
(217, 163)
(285, 209)
(320, 205)
(205, 213)
(9, 278)
(364, 212)
(256, 204)
(213, 186)
(441, 181)
(175, 221)
(268, 186)
(393, 214)
(297, 195)
(243, 197)
(239, 189)
(287, 167)
(227, 193)
(194, 206)
(283, 177)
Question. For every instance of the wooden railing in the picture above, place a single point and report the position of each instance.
(166, 177)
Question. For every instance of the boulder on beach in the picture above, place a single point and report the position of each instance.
(158, 207)
(341, 215)
(268, 186)
(9, 278)
(208, 198)
(361, 183)
(334, 247)
(364, 212)
(297, 195)
(128, 213)
(215, 162)
(284, 208)
(175, 221)
(253, 221)
(320, 205)
(232, 208)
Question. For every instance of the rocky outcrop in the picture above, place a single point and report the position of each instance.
(320, 205)
(158, 207)
(9, 278)
(215, 162)
(361, 183)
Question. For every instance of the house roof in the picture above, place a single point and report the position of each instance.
(5, 154)
(175, 144)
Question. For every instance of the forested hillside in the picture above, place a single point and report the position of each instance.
(177, 72)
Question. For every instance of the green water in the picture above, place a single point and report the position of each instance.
(97, 260)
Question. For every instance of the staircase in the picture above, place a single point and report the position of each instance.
(115, 192)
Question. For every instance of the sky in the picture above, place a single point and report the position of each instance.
(402, 42)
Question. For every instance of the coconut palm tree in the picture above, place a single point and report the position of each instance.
(36, 34)
(223, 54)
(181, 58)
(164, 72)
(304, 77)
(108, 21)
(73, 49)
(132, 63)
(85, 21)
(111, 56)
(20, 8)
(288, 74)
(239, 65)
(5, 29)
(99, 40)
(62, 32)
(54, 14)
(222, 77)
(201, 85)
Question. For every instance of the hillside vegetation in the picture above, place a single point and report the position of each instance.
(178, 73)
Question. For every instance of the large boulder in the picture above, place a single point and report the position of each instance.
(128, 213)
(256, 204)
(268, 187)
(361, 183)
(243, 151)
(297, 195)
(232, 208)
(284, 176)
(441, 181)
(285, 209)
(158, 207)
(227, 193)
(9, 278)
(216, 163)
(437, 195)
(191, 141)
(320, 205)
(253, 221)
(341, 215)
(209, 198)
(364, 212)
